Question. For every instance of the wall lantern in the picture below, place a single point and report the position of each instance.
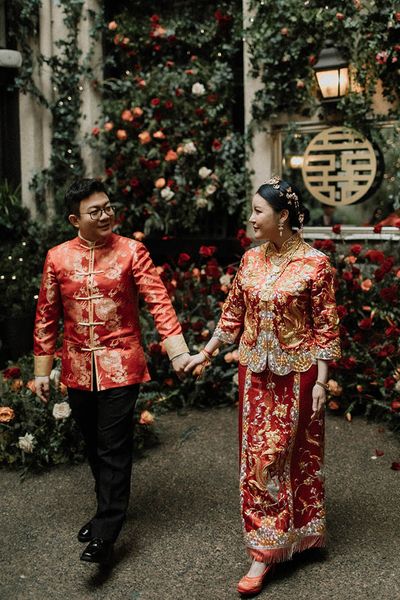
(332, 73)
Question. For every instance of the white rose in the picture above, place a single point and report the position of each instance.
(61, 410)
(26, 443)
(198, 89)
(225, 279)
(189, 148)
(397, 386)
(201, 202)
(211, 189)
(204, 172)
(55, 377)
(167, 193)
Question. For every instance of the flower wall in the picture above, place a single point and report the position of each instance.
(172, 103)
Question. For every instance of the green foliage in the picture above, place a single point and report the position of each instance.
(284, 43)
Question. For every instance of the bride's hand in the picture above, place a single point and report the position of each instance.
(195, 361)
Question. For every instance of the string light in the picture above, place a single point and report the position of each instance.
(35, 297)
(21, 260)
(127, 72)
(202, 31)
(71, 166)
(69, 151)
(61, 103)
(10, 258)
(13, 277)
(24, 243)
(2, 277)
(80, 88)
(219, 54)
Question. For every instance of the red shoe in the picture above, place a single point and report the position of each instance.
(250, 586)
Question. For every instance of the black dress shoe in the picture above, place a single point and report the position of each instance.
(98, 551)
(85, 533)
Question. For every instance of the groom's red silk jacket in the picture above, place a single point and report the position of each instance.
(95, 289)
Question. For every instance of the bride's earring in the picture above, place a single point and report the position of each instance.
(280, 227)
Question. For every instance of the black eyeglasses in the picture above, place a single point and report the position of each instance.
(97, 213)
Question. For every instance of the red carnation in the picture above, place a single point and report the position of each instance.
(207, 250)
(183, 259)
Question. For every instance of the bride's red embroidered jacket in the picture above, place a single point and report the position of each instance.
(95, 289)
(282, 305)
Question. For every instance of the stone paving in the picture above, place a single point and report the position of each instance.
(183, 539)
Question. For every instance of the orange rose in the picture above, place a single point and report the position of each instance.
(334, 388)
(351, 259)
(6, 414)
(160, 183)
(159, 135)
(108, 126)
(144, 137)
(127, 115)
(229, 357)
(196, 273)
(235, 355)
(121, 134)
(171, 156)
(205, 334)
(366, 285)
(138, 235)
(146, 418)
(112, 26)
(31, 386)
(333, 405)
(137, 111)
(16, 385)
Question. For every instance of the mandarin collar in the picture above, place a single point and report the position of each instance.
(97, 244)
(289, 245)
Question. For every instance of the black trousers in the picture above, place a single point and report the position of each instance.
(105, 419)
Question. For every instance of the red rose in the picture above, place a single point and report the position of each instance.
(12, 373)
(207, 250)
(395, 405)
(216, 145)
(342, 311)
(95, 131)
(312, 59)
(328, 245)
(389, 382)
(317, 244)
(392, 330)
(347, 276)
(387, 264)
(155, 348)
(389, 294)
(336, 228)
(356, 249)
(155, 19)
(241, 233)
(169, 104)
(134, 182)
(183, 259)
(375, 256)
(199, 112)
(245, 241)
(339, 16)
(377, 228)
(365, 323)
(155, 101)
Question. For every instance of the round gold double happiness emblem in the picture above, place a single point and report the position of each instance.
(339, 166)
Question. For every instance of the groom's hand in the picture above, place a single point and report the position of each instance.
(179, 363)
(42, 386)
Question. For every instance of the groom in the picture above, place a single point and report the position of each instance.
(93, 284)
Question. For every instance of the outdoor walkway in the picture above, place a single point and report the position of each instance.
(183, 537)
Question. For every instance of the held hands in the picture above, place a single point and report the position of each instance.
(179, 363)
(195, 362)
(42, 385)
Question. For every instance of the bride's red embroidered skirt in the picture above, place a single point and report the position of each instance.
(281, 464)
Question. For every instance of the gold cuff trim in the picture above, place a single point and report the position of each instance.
(174, 345)
(43, 365)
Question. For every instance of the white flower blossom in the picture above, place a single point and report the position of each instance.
(204, 172)
(25, 443)
(198, 89)
(167, 193)
(397, 386)
(189, 148)
(55, 377)
(225, 279)
(201, 202)
(211, 189)
(61, 410)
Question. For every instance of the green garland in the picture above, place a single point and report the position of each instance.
(68, 70)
